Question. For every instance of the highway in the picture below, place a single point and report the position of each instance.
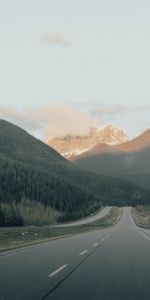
(92, 218)
(107, 264)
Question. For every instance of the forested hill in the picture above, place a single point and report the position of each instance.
(32, 171)
(16, 143)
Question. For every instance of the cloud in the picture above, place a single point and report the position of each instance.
(24, 118)
(109, 110)
(51, 120)
(55, 39)
(55, 120)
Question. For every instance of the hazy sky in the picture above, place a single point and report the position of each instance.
(88, 59)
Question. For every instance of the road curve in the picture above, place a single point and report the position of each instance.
(102, 213)
(109, 264)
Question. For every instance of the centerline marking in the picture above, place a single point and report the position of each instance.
(57, 271)
(96, 244)
(83, 252)
(103, 240)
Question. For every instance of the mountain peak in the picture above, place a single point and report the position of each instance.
(70, 146)
(110, 135)
(109, 126)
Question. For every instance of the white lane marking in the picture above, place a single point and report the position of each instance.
(102, 240)
(57, 271)
(96, 244)
(83, 252)
(147, 237)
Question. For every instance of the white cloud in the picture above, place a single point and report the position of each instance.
(55, 39)
(51, 120)
(109, 110)
(116, 110)
(61, 119)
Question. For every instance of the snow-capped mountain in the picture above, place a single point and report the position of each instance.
(70, 146)
(112, 136)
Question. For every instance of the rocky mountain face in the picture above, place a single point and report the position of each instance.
(72, 146)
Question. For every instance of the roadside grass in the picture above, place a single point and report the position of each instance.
(141, 216)
(15, 237)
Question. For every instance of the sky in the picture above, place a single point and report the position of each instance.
(68, 65)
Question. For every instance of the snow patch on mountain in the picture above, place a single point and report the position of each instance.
(76, 152)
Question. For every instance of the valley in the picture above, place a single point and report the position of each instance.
(35, 175)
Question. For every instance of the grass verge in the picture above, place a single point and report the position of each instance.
(11, 238)
(141, 216)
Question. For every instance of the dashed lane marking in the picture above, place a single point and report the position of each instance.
(83, 252)
(57, 271)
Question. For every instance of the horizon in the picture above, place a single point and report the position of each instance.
(81, 135)
(59, 120)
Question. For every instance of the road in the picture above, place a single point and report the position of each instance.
(101, 265)
(102, 213)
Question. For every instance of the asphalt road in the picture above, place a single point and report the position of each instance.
(105, 264)
(102, 213)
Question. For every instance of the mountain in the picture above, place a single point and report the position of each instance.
(111, 136)
(130, 161)
(71, 146)
(138, 144)
(32, 171)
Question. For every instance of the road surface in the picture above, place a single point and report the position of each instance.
(102, 213)
(101, 265)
